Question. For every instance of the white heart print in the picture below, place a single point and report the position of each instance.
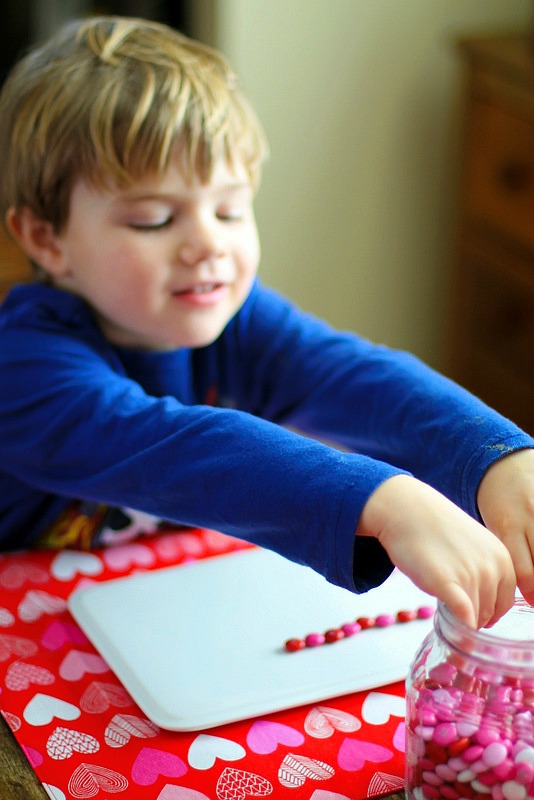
(378, 707)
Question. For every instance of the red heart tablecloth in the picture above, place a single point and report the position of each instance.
(85, 737)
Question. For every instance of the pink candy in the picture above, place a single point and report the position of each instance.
(445, 733)
(314, 639)
(385, 620)
(470, 736)
(494, 754)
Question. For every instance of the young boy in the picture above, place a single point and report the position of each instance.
(148, 369)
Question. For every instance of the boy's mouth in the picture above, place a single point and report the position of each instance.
(200, 288)
(202, 292)
(205, 288)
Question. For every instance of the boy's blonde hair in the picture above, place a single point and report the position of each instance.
(106, 99)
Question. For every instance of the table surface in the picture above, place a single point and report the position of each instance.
(18, 780)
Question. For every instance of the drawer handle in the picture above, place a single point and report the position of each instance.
(516, 176)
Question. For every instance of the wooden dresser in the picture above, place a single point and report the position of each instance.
(492, 337)
(14, 267)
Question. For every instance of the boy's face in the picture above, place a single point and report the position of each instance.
(165, 263)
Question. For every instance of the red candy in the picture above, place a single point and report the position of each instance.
(459, 746)
(292, 645)
(469, 723)
(406, 616)
(366, 622)
(333, 635)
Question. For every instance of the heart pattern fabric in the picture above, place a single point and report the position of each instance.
(16, 646)
(20, 675)
(100, 696)
(64, 742)
(85, 737)
(151, 763)
(238, 784)
(88, 780)
(206, 749)
(296, 769)
(123, 726)
(322, 721)
(265, 736)
(6, 618)
(36, 602)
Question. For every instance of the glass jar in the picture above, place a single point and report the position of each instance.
(470, 710)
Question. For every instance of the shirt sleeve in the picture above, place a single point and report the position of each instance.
(72, 425)
(298, 371)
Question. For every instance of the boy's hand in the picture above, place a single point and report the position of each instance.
(441, 549)
(506, 504)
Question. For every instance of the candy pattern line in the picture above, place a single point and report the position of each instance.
(333, 635)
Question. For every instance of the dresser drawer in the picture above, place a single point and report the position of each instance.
(501, 318)
(499, 187)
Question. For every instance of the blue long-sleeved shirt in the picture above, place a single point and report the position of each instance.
(207, 436)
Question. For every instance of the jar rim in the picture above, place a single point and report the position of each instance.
(482, 643)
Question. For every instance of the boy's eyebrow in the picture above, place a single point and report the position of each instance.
(132, 197)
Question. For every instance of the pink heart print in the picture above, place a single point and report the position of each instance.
(322, 721)
(151, 762)
(237, 784)
(59, 633)
(15, 574)
(99, 696)
(399, 738)
(77, 663)
(218, 542)
(6, 618)
(36, 603)
(34, 756)
(20, 675)
(88, 779)
(353, 754)
(128, 555)
(16, 646)
(12, 720)
(264, 736)
(180, 793)
(295, 769)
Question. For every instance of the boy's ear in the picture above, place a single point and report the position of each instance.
(37, 238)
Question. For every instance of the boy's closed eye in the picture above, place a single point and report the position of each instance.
(231, 214)
(154, 225)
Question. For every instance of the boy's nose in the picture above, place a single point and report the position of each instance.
(195, 253)
(201, 242)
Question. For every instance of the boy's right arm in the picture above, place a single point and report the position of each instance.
(441, 549)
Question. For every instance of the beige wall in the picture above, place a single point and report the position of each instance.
(360, 102)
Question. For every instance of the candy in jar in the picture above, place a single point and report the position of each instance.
(470, 710)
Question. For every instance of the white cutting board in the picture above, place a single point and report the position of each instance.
(202, 644)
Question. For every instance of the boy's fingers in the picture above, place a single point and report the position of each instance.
(480, 611)
(520, 551)
(504, 601)
(460, 604)
(524, 568)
